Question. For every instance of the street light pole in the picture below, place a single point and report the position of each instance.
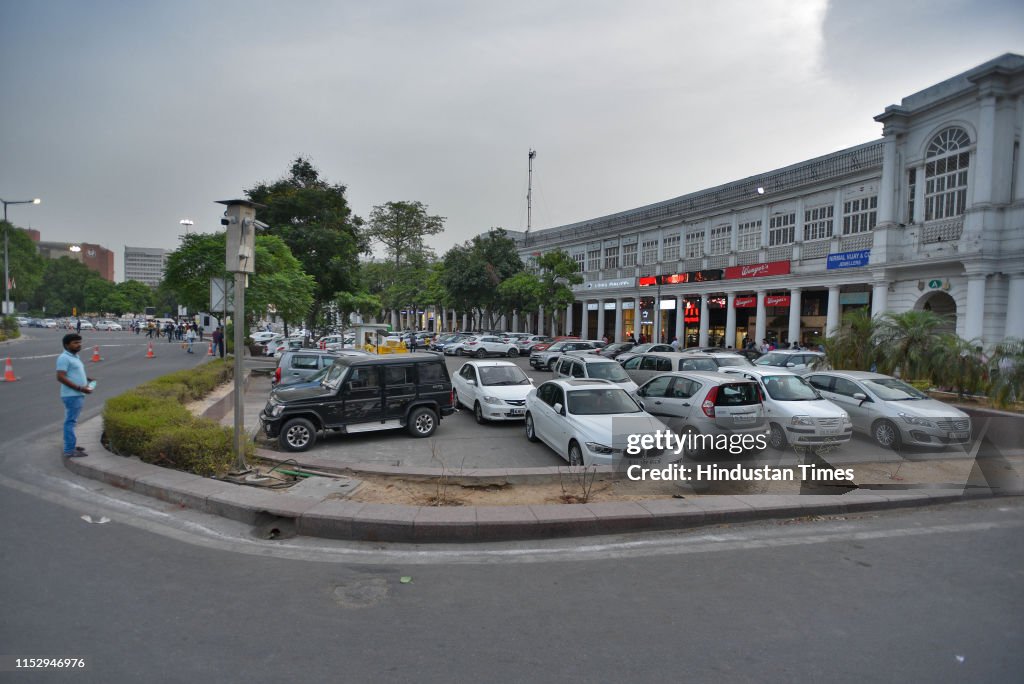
(8, 309)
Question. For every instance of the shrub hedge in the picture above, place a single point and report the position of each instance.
(151, 422)
(9, 329)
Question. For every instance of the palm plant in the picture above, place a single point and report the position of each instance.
(1007, 372)
(852, 347)
(959, 364)
(908, 342)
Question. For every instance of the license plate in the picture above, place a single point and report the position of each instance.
(517, 412)
(959, 435)
(831, 431)
(744, 418)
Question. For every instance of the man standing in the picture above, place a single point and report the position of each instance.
(218, 341)
(74, 385)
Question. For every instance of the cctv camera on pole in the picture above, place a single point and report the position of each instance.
(240, 258)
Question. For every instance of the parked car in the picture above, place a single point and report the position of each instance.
(588, 421)
(49, 323)
(797, 414)
(360, 394)
(546, 357)
(85, 325)
(530, 341)
(544, 345)
(643, 349)
(493, 390)
(705, 403)
(799, 362)
(482, 346)
(300, 365)
(107, 325)
(263, 336)
(593, 366)
(616, 348)
(643, 367)
(445, 343)
(892, 412)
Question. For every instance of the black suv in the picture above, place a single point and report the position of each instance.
(362, 394)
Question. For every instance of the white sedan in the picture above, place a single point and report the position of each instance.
(263, 336)
(482, 346)
(590, 422)
(108, 325)
(493, 390)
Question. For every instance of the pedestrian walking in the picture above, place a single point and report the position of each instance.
(190, 338)
(218, 341)
(674, 344)
(74, 385)
(78, 325)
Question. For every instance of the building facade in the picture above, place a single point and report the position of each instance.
(145, 264)
(96, 257)
(929, 217)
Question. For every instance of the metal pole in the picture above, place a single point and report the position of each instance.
(239, 321)
(529, 197)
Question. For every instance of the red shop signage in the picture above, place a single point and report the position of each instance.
(756, 270)
(769, 300)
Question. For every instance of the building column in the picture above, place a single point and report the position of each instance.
(974, 316)
(891, 177)
(394, 320)
(618, 320)
(464, 327)
(680, 322)
(554, 325)
(600, 319)
(540, 321)
(761, 321)
(636, 317)
(568, 320)
(705, 320)
(879, 297)
(730, 320)
(832, 319)
(794, 316)
(1015, 307)
(515, 321)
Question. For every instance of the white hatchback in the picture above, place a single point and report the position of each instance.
(493, 390)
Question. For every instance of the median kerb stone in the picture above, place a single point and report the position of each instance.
(822, 504)
(244, 504)
(495, 523)
(114, 470)
(331, 518)
(673, 513)
(384, 522)
(901, 498)
(445, 523)
(773, 505)
(620, 516)
(725, 509)
(565, 520)
(179, 488)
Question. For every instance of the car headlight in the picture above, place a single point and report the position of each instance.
(492, 400)
(276, 410)
(600, 448)
(801, 420)
(846, 419)
(914, 420)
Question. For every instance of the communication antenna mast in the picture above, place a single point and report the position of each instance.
(529, 197)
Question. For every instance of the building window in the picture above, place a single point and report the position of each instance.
(611, 257)
(945, 174)
(860, 215)
(581, 261)
(781, 228)
(721, 239)
(594, 259)
(649, 252)
(748, 236)
(695, 244)
(818, 223)
(670, 248)
(629, 255)
(911, 194)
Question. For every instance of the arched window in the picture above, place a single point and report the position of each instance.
(945, 174)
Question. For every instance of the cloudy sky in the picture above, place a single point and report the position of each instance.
(126, 117)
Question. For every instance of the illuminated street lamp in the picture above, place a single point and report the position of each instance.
(8, 309)
(188, 223)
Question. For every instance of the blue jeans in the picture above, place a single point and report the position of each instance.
(72, 409)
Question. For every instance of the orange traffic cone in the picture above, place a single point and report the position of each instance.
(96, 354)
(149, 353)
(210, 353)
(9, 371)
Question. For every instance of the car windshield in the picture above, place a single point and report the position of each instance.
(556, 346)
(891, 389)
(641, 348)
(601, 402)
(731, 361)
(607, 371)
(334, 373)
(503, 375)
(789, 388)
(774, 359)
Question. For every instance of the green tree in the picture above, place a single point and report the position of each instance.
(26, 266)
(852, 347)
(98, 294)
(1007, 372)
(137, 295)
(363, 303)
(474, 270)
(558, 273)
(401, 227)
(958, 363)
(907, 342)
(63, 286)
(521, 292)
(314, 220)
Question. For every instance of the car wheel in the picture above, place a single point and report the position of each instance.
(460, 352)
(422, 422)
(298, 434)
(575, 454)
(886, 435)
(478, 413)
(513, 353)
(689, 450)
(455, 399)
(777, 437)
(481, 353)
(531, 434)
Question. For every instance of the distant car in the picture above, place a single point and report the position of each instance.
(797, 361)
(592, 366)
(24, 322)
(544, 345)
(545, 358)
(527, 343)
(705, 403)
(615, 348)
(493, 390)
(643, 349)
(892, 412)
(49, 323)
(643, 367)
(263, 336)
(797, 414)
(299, 365)
(482, 346)
(588, 422)
(108, 325)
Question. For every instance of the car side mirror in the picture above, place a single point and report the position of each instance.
(861, 397)
(641, 392)
(790, 365)
(558, 409)
(471, 382)
(531, 380)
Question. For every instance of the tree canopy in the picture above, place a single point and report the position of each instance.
(474, 270)
(401, 227)
(25, 264)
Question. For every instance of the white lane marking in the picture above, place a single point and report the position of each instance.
(100, 521)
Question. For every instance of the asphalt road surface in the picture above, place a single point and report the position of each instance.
(143, 591)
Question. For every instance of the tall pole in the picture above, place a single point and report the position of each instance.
(529, 195)
(239, 318)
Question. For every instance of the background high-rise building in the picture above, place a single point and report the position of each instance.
(145, 264)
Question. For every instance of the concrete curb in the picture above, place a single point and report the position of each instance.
(324, 516)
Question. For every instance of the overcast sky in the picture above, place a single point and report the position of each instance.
(126, 117)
